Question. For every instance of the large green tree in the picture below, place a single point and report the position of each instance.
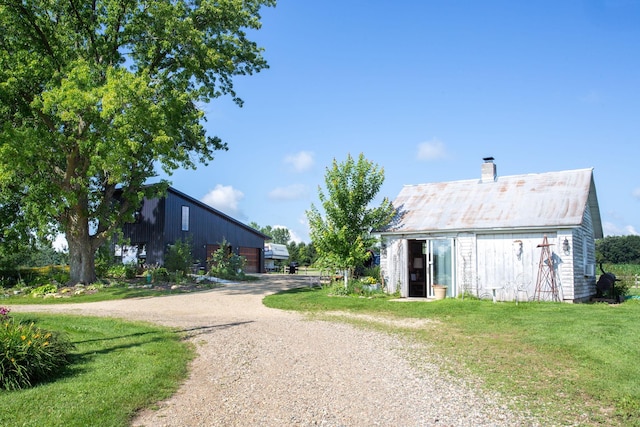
(95, 95)
(343, 234)
(619, 249)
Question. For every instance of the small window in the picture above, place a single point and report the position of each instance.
(185, 218)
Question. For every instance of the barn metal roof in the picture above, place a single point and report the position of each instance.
(531, 201)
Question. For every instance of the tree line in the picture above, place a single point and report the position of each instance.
(618, 249)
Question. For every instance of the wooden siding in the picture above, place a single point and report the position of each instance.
(501, 264)
(583, 247)
(252, 255)
(161, 225)
(507, 261)
(466, 262)
(393, 266)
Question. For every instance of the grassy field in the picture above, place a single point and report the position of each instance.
(572, 364)
(118, 367)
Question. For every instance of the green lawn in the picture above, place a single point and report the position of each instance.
(108, 293)
(118, 367)
(574, 364)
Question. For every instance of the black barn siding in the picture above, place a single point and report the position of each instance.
(160, 225)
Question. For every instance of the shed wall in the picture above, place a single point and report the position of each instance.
(583, 248)
(508, 262)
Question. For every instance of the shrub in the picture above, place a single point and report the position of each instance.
(372, 272)
(225, 264)
(130, 271)
(368, 280)
(34, 275)
(115, 271)
(356, 287)
(122, 271)
(179, 257)
(43, 290)
(61, 276)
(338, 288)
(29, 354)
(159, 274)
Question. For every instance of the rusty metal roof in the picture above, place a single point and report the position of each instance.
(551, 199)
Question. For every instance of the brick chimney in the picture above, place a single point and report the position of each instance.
(489, 173)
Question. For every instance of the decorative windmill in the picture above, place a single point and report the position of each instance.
(546, 283)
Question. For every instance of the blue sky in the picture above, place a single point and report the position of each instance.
(426, 89)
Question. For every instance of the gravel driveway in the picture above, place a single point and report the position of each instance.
(257, 366)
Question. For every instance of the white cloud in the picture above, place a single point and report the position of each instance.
(636, 193)
(301, 162)
(291, 192)
(611, 229)
(225, 198)
(292, 234)
(431, 150)
(631, 230)
(295, 237)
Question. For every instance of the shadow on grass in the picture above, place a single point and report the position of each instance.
(92, 348)
(189, 332)
(203, 330)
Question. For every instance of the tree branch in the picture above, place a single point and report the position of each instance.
(43, 38)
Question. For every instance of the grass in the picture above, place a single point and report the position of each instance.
(117, 368)
(570, 364)
(104, 294)
(133, 289)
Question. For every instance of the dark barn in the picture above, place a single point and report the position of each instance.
(177, 216)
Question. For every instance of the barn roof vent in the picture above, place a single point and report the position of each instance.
(489, 173)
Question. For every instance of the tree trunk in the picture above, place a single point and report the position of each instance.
(82, 265)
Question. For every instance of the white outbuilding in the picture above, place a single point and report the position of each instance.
(520, 237)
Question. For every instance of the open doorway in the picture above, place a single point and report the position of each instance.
(417, 272)
(431, 262)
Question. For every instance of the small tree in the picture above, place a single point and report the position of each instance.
(225, 264)
(179, 256)
(343, 235)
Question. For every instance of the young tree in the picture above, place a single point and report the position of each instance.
(95, 95)
(342, 236)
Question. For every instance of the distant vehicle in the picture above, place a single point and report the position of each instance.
(273, 252)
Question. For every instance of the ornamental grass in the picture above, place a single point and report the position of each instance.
(28, 353)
